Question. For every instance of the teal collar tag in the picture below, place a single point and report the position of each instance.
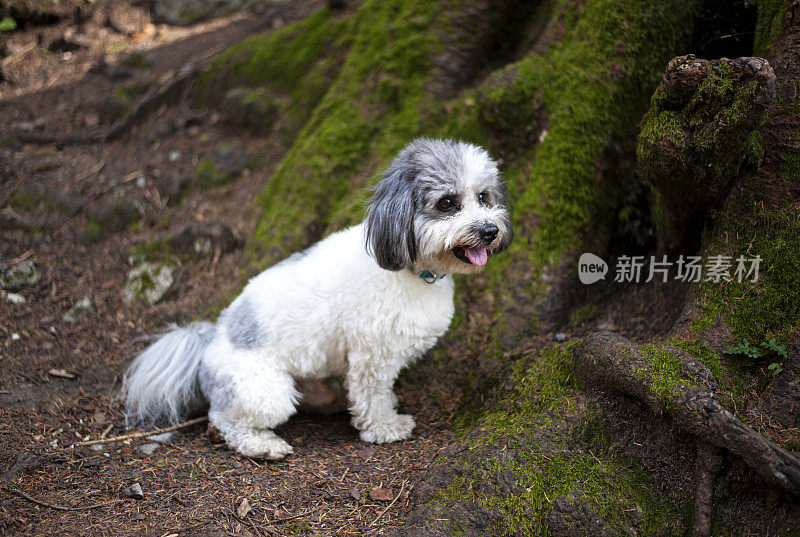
(430, 277)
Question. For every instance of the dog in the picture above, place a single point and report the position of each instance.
(362, 304)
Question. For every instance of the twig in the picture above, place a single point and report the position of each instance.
(402, 486)
(19, 54)
(184, 528)
(61, 507)
(106, 431)
(143, 434)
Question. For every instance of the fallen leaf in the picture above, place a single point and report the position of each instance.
(366, 453)
(244, 508)
(381, 494)
(62, 373)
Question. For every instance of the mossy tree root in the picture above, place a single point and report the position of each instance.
(612, 360)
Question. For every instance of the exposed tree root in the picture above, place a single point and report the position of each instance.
(169, 84)
(709, 463)
(612, 360)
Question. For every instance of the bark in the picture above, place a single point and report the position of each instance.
(614, 361)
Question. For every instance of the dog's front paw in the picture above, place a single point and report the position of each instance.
(264, 446)
(391, 429)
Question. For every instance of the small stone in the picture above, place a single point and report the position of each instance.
(249, 108)
(174, 156)
(14, 337)
(561, 336)
(97, 447)
(223, 164)
(20, 275)
(174, 186)
(149, 449)
(79, 310)
(14, 298)
(115, 214)
(147, 283)
(134, 491)
(162, 438)
(204, 237)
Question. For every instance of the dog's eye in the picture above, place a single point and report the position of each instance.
(445, 204)
(483, 197)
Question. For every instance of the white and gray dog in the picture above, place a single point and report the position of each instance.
(361, 304)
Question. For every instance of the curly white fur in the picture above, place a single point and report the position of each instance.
(353, 305)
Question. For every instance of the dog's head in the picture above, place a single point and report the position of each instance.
(440, 206)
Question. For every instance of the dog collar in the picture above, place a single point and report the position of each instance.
(430, 277)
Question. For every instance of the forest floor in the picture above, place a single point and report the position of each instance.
(59, 381)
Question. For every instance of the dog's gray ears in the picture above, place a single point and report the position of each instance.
(390, 220)
(500, 193)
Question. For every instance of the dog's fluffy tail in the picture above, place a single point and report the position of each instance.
(161, 386)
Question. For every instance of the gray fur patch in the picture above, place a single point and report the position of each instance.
(242, 326)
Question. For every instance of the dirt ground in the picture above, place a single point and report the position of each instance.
(334, 484)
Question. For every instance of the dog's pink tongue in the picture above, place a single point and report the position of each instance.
(477, 256)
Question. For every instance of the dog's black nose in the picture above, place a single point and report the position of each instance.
(488, 232)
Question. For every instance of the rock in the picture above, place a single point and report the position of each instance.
(184, 12)
(160, 129)
(147, 283)
(21, 275)
(149, 449)
(249, 108)
(162, 438)
(174, 187)
(203, 238)
(134, 491)
(115, 214)
(15, 298)
(79, 310)
(223, 164)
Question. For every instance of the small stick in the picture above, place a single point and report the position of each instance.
(143, 434)
(61, 507)
(106, 431)
(402, 486)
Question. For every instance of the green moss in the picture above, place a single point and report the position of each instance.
(155, 250)
(369, 111)
(589, 89)
(565, 453)
(769, 24)
(296, 65)
(582, 314)
(92, 232)
(769, 307)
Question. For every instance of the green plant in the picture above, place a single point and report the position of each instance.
(770, 349)
(8, 24)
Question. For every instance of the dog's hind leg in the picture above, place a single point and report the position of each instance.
(247, 403)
